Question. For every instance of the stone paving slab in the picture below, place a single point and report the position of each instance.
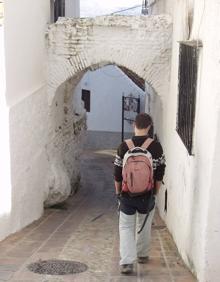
(87, 231)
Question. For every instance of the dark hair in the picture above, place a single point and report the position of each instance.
(143, 120)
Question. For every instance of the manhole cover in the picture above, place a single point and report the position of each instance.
(57, 267)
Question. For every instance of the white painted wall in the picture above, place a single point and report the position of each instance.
(156, 6)
(23, 114)
(25, 25)
(193, 181)
(5, 172)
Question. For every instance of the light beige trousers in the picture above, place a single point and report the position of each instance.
(132, 244)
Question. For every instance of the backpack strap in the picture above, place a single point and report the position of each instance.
(147, 143)
(130, 144)
(151, 202)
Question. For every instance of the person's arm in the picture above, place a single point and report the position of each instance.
(160, 165)
(118, 163)
(118, 186)
(118, 174)
(157, 186)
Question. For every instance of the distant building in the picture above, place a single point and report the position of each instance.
(103, 90)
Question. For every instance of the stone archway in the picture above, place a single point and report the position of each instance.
(140, 44)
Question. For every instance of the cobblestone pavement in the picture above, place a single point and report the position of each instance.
(85, 229)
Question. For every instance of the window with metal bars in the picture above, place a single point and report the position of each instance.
(188, 67)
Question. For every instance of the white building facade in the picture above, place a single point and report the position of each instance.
(23, 54)
(192, 181)
(23, 112)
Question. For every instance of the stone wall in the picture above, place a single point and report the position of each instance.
(139, 43)
(67, 123)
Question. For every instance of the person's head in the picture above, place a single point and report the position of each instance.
(142, 124)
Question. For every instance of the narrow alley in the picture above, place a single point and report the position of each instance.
(85, 229)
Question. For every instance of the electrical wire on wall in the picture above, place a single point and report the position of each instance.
(127, 9)
(145, 6)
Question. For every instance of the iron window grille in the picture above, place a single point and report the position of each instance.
(188, 68)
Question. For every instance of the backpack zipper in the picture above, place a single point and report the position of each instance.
(131, 179)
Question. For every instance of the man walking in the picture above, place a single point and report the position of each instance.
(137, 199)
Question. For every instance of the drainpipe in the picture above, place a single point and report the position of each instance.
(146, 6)
(144, 10)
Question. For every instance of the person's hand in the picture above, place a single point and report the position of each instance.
(118, 195)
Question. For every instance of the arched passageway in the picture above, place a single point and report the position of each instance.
(100, 92)
(140, 46)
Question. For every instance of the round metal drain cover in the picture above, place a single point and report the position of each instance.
(57, 267)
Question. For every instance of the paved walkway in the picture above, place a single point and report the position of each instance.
(86, 230)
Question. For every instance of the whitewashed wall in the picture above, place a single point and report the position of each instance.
(5, 173)
(193, 181)
(24, 114)
(156, 6)
(104, 121)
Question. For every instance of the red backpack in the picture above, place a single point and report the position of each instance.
(137, 169)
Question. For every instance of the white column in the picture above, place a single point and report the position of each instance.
(5, 164)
